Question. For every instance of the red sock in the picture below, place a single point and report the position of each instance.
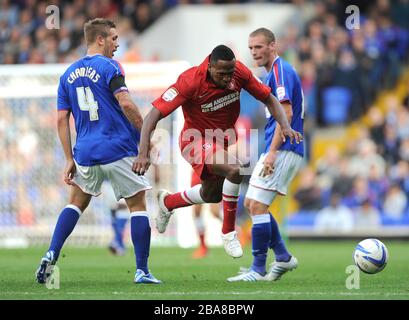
(202, 240)
(174, 201)
(229, 213)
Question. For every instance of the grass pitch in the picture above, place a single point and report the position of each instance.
(92, 273)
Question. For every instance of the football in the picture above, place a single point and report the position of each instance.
(371, 256)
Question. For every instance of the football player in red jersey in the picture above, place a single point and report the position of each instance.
(210, 98)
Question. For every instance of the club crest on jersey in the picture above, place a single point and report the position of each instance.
(206, 146)
(280, 92)
(231, 86)
(170, 94)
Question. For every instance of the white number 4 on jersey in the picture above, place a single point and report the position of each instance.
(87, 102)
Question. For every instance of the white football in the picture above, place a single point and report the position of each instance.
(371, 256)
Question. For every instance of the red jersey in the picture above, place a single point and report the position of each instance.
(204, 105)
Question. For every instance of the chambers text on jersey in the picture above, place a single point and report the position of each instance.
(104, 134)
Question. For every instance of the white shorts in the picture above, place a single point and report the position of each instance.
(265, 189)
(124, 181)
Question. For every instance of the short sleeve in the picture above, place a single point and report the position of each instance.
(113, 69)
(176, 95)
(63, 102)
(282, 80)
(253, 85)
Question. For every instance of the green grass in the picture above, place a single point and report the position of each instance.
(92, 273)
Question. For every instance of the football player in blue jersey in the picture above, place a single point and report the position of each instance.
(278, 164)
(108, 126)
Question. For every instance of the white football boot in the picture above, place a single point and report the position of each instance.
(277, 269)
(162, 220)
(232, 244)
(249, 276)
(45, 270)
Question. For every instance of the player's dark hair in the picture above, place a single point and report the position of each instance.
(221, 52)
(266, 33)
(97, 27)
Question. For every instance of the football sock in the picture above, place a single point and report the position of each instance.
(277, 243)
(66, 223)
(231, 193)
(200, 230)
(184, 198)
(261, 235)
(141, 238)
(119, 229)
(202, 240)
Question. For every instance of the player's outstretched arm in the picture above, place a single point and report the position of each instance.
(64, 133)
(129, 108)
(142, 162)
(277, 111)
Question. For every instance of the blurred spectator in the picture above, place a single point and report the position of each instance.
(127, 38)
(378, 185)
(366, 157)
(404, 150)
(402, 123)
(327, 167)
(367, 216)
(360, 193)
(142, 18)
(308, 194)
(395, 202)
(336, 217)
(376, 128)
(391, 144)
(347, 74)
(368, 67)
(8, 13)
(343, 182)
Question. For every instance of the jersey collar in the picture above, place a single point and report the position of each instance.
(275, 60)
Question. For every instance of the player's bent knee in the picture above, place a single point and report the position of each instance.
(211, 197)
(247, 202)
(234, 174)
(136, 202)
(256, 207)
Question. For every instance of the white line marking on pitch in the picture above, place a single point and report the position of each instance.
(295, 293)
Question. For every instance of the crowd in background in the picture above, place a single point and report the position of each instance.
(324, 51)
(368, 184)
(370, 181)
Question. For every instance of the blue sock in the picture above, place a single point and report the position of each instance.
(277, 243)
(114, 228)
(119, 225)
(66, 222)
(261, 235)
(141, 238)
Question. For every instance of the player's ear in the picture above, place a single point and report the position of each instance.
(100, 40)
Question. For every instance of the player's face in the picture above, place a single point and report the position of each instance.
(221, 72)
(261, 50)
(111, 43)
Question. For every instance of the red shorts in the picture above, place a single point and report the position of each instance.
(195, 179)
(197, 152)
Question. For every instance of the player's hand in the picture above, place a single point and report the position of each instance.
(292, 134)
(269, 164)
(69, 172)
(141, 165)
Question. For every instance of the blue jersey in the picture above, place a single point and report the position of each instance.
(104, 134)
(286, 86)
